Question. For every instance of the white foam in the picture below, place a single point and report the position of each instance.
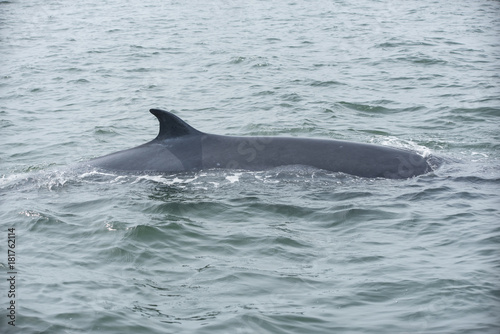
(396, 142)
(234, 178)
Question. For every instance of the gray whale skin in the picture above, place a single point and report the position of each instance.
(181, 148)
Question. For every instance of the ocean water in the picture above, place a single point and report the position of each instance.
(290, 250)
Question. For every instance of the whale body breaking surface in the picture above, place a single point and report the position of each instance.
(181, 148)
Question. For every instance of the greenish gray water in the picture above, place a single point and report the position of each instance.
(284, 251)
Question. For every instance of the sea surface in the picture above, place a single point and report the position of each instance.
(289, 250)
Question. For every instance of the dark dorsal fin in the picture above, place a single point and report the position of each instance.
(172, 126)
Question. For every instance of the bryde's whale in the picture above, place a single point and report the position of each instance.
(181, 148)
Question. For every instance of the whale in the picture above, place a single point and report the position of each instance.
(179, 147)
